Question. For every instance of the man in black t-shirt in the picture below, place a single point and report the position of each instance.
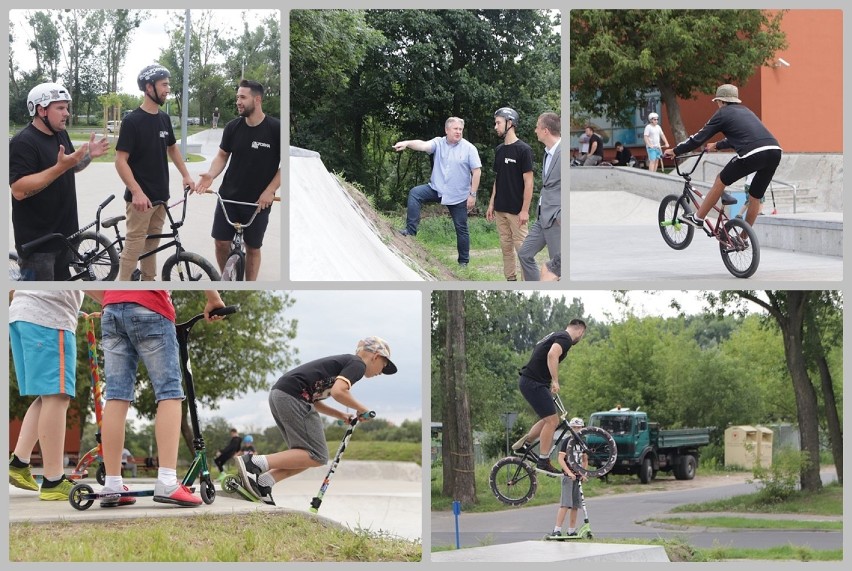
(539, 382)
(145, 144)
(42, 165)
(226, 453)
(596, 151)
(512, 191)
(252, 141)
(296, 401)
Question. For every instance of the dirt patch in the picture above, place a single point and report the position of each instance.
(426, 262)
(671, 484)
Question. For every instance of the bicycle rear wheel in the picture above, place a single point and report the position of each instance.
(96, 253)
(235, 267)
(739, 248)
(678, 235)
(189, 267)
(14, 268)
(599, 446)
(513, 481)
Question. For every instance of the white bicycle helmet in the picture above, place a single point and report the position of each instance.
(44, 94)
(577, 421)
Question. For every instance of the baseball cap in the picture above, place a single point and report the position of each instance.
(653, 116)
(380, 347)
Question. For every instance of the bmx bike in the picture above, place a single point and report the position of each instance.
(513, 479)
(235, 265)
(93, 256)
(738, 243)
(82, 496)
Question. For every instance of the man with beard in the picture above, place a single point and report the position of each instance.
(42, 165)
(145, 144)
(252, 141)
(512, 191)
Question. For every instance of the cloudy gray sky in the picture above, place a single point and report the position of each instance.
(331, 323)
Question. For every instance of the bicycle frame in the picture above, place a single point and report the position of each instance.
(81, 262)
(691, 194)
(237, 246)
(565, 430)
(174, 225)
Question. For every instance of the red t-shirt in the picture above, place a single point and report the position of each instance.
(159, 301)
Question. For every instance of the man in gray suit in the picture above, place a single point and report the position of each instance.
(547, 229)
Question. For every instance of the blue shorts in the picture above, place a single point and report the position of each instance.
(45, 359)
(654, 153)
(131, 332)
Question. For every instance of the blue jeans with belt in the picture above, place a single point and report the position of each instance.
(425, 193)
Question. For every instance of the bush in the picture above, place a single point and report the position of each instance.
(780, 481)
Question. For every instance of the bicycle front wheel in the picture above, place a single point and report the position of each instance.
(513, 481)
(739, 248)
(96, 254)
(14, 268)
(600, 448)
(235, 267)
(676, 234)
(189, 267)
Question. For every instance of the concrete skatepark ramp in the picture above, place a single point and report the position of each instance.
(552, 551)
(331, 237)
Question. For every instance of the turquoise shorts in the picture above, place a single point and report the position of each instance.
(654, 153)
(45, 359)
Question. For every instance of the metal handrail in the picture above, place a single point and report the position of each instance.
(791, 185)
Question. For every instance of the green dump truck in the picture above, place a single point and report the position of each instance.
(644, 449)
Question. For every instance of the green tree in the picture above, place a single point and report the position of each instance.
(790, 310)
(45, 44)
(618, 55)
(119, 26)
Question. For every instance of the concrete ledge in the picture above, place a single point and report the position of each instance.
(810, 233)
(193, 148)
(552, 551)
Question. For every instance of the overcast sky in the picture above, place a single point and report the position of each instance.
(147, 41)
(331, 323)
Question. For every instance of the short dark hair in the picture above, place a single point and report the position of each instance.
(590, 128)
(619, 144)
(578, 322)
(256, 88)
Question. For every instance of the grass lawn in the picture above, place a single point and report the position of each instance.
(240, 537)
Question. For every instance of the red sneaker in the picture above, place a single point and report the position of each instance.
(178, 495)
(113, 499)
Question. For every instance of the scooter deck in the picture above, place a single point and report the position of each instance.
(232, 485)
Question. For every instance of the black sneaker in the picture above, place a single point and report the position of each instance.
(692, 219)
(521, 446)
(547, 467)
(246, 465)
(555, 534)
(571, 534)
(263, 493)
(405, 232)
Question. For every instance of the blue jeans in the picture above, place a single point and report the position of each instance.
(130, 332)
(425, 193)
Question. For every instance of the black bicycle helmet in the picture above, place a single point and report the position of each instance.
(151, 74)
(508, 114)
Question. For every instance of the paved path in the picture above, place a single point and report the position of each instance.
(99, 180)
(617, 239)
(376, 496)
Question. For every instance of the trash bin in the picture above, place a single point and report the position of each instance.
(741, 446)
(764, 446)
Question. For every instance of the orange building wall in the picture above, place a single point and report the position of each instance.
(72, 434)
(802, 105)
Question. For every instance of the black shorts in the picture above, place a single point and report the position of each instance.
(252, 236)
(762, 164)
(538, 395)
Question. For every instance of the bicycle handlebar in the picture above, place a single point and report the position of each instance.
(678, 159)
(222, 202)
(218, 312)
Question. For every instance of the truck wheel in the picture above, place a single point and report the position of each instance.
(646, 471)
(686, 469)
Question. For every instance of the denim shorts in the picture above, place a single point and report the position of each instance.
(130, 333)
(45, 359)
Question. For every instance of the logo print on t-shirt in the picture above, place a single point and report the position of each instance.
(257, 144)
(164, 134)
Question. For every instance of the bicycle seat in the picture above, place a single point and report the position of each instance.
(728, 199)
(110, 222)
